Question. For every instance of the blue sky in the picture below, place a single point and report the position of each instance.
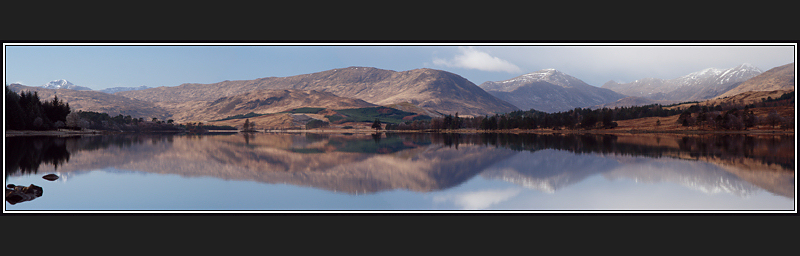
(125, 65)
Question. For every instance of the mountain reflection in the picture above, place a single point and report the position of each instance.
(357, 163)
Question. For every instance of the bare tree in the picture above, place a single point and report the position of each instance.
(773, 119)
(74, 119)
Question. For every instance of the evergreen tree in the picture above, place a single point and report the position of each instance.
(246, 126)
(376, 125)
(15, 116)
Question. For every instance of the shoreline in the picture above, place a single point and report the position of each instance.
(61, 132)
(13, 133)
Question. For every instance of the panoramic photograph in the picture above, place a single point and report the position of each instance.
(399, 128)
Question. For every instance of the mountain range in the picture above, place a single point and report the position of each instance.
(701, 85)
(549, 90)
(773, 82)
(425, 91)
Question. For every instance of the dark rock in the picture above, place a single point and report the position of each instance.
(18, 194)
(50, 177)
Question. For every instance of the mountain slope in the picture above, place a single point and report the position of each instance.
(432, 90)
(700, 85)
(122, 89)
(549, 90)
(778, 78)
(260, 102)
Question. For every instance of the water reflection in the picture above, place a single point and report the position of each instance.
(352, 163)
(27, 154)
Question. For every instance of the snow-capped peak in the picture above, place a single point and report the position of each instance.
(548, 75)
(719, 76)
(60, 83)
(63, 84)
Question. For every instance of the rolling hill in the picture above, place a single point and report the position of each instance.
(429, 89)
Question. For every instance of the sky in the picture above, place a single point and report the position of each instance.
(100, 66)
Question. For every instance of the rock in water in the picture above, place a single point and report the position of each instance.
(19, 194)
(50, 177)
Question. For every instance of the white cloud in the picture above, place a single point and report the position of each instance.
(471, 58)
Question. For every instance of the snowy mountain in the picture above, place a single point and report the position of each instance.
(704, 84)
(777, 78)
(123, 89)
(64, 84)
(545, 75)
(549, 90)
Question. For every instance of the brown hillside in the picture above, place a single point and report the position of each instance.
(740, 99)
(259, 102)
(433, 90)
(271, 121)
(670, 123)
(778, 78)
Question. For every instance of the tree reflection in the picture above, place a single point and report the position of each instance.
(26, 154)
(768, 149)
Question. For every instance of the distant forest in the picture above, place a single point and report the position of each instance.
(724, 117)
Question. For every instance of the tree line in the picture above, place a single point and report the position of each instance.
(728, 117)
(577, 118)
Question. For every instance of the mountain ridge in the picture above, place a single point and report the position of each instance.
(430, 89)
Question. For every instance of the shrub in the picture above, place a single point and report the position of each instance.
(316, 123)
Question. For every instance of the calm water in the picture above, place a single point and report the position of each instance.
(404, 172)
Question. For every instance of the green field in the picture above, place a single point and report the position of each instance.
(304, 110)
(384, 114)
(240, 116)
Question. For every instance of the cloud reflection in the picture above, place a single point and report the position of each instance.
(478, 200)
